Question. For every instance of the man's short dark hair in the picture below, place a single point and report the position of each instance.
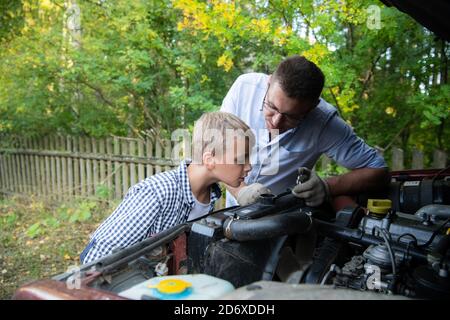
(300, 78)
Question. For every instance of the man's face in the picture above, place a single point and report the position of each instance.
(280, 111)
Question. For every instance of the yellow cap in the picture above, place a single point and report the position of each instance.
(171, 286)
(448, 231)
(379, 206)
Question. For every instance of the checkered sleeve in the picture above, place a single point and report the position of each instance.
(127, 225)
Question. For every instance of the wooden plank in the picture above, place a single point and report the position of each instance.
(417, 159)
(70, 170)
(109, 168)
(89, 173)
(37, 168)
(53, 170)
(6, 171)
(26, 169)
(439, 159)
(397, 159)
(90, 156)
(117, 180)
(149, 150)
(125, 170)
(14, 180)
(15, 164)
(42, 185)
(48, 189)
(58, 169)
(102, 169)
(9, 176)
(132, 152)
(158, 154)
(20, 169)
(325, 162)
(64, 185)
(10, 172)
(32, 176)
(82, 148)
(141, 168)
(76, 168)
(167, 152)
(95, 167)
(2, 173)
(12, 175)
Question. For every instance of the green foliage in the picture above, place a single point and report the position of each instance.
(34, 230)
(102, 192)
(155, 66)
(82, 212)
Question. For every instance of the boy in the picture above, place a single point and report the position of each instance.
(222, 143)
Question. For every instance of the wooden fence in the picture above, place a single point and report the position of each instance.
(65, 167)
(397, 160)
(62, 168)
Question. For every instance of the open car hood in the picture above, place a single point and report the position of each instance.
(432, 14)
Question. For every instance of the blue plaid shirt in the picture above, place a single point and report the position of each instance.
(151, 206)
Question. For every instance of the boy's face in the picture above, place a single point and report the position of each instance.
(234, 165)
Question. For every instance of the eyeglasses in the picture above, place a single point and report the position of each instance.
(294, 120)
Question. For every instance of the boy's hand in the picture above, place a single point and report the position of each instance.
(315, 190)
(251, 193)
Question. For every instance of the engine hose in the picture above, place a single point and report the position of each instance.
(357, 236)
(267, 227)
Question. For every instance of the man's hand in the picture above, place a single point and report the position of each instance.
(315, 190)
(251, 193)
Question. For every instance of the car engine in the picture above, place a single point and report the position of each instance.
(389, 244)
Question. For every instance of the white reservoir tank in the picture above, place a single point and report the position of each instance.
(180, 287)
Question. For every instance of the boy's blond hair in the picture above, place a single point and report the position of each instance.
(215, 132)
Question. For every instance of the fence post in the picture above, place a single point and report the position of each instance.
(141, 168)
(325, 162)
(76, 167)
(118, 191)
(167, 152)
(125, 171)
(397, 159)
(101, 149)
(109, 166)
(95, 167)
(82, 149)
(58, 161)
(70, 169)
(417, 159)
(21, 169)
(89, 181)
(158, 154)
(132, 152)
(439, 159)
(149, 147)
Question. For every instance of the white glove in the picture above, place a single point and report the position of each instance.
(251, 193)
(315, 190)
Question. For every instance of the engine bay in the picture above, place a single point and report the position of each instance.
(394, 245)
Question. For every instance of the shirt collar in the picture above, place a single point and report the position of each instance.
(186, 187)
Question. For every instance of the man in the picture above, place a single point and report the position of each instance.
(294, 127)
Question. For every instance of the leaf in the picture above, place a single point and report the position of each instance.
(51, 222)
(102, 191)
(34, 230)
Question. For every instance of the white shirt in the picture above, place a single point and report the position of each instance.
(275, 163)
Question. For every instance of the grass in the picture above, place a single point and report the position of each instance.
(39, 239)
